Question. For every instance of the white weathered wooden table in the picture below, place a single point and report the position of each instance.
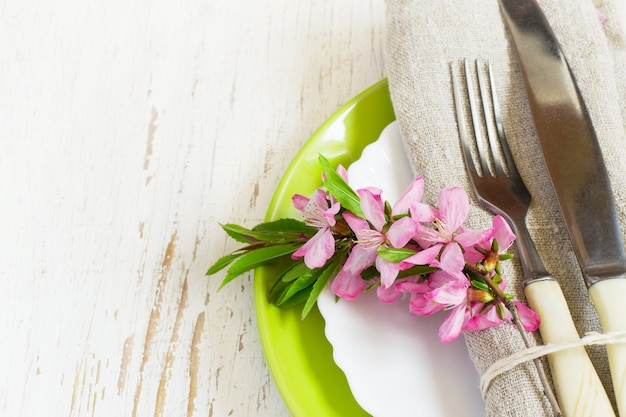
(128, 130)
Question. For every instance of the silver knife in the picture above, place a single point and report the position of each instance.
(579, 177)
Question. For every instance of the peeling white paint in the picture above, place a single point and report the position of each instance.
(128, 131)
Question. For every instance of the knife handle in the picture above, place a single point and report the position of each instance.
(578, 388)
(609, 298)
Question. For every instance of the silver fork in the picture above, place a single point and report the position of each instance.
(500, 189)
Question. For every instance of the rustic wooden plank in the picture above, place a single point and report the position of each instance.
(128, 131)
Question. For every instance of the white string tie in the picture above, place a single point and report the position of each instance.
(532, 353)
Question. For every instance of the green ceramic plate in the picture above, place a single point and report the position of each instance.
(297, 352)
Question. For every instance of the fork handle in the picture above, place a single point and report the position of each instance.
(608, 298)
(578, 388)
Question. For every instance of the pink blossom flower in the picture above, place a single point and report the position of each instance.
(448, 246)
(348, 283)
(451, 292)
(318, 211)
(442, 291)
(479, 319)
(375, 230)
(445, 292)
(501, 233)
(411, 285)
(448, 232)
(364, 254)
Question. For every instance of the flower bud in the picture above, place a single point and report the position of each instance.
(479, 295)
(491, 261)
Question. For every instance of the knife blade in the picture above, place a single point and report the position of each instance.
(577, 171)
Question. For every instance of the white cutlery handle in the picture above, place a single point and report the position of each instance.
(609, 298)
(577, 385)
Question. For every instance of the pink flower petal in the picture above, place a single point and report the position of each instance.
(423, 212)
(451, 259)
(347, 286)
(356, 223)
(427, 236)
(359, 259)
(317, 250)
(388, 271)
(472, 256)
(299, 201)
(440, 278)
(411, 195)
(469, 238)
(502, 233)
(529, 318)
(401, 232)
(342, 172)
(453, 207)
(451, 327)
(329, 214)
(450, 294)
(348, 283)
(421, 306)
(424, 257)
(388, 295)
(481, 321)
(373, 208)
(318, 199)
(412, 287)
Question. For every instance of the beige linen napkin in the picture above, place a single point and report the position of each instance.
(424, 38)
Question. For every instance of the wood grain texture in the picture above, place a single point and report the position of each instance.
(128, 130)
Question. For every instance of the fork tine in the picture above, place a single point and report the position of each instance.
(491, 135)
(482, 152)
(463, 134)
(497, 114)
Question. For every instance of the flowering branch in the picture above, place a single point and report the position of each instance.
(357, 242)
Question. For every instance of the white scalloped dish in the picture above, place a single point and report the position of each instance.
(395, 364)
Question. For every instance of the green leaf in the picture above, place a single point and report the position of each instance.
(296, 286)
(223, 262)
(282, 289)
(394, 255)
(333, 268)
(286, 225)
(279, 231)
(370, 273)
(295, 271)
(339, 188)
(399, 216)
(238, 233)
(417, 270)
(388, 209)
(298, 298)
(482, 251)
(501, 311)
(472, 275)
(480, 285)
(262, 256)
(505, 256)
(256, 258)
